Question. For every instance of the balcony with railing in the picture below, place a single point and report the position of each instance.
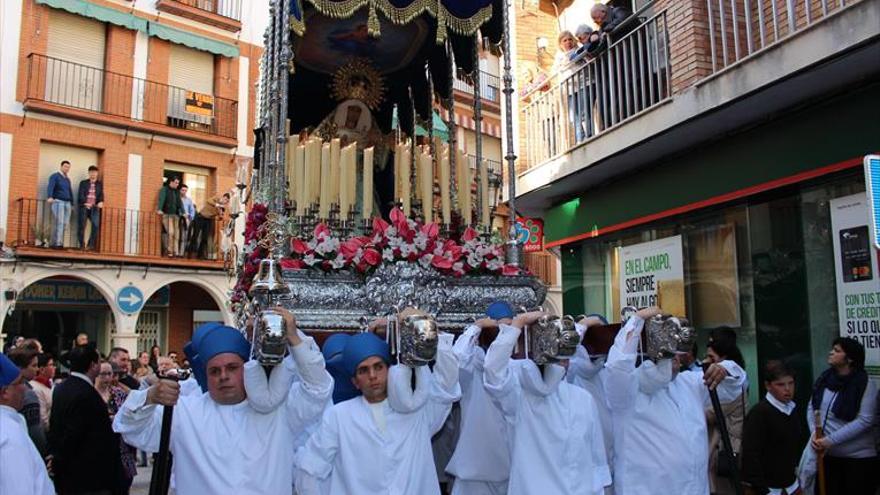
(490, 87)
(123, 235)
(677, 64)
(74, 90)
(225, 14)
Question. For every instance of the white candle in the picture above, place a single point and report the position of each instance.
(334, 170)
(464, 188)
(427, 186)
(368, 183)
(445, 200)
(324, 200)
(290, 167)
(397, 154)
(299, 165)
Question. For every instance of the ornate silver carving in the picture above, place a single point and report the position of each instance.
(271, 344)
(337, 301)
(667, 335)
(551, 339)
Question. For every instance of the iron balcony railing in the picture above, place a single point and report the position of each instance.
(599, 91)
(121, 232)
(490, 87)
(81, 87)
(226, 8)
(739, 29)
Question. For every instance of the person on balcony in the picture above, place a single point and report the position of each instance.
(609, 19)
(203, 227)
(189, 215)
(59, 196)
(170, 209)
(90, 198)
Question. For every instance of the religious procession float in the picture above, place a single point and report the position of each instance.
(357, 207)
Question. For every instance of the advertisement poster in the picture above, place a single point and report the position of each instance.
(652, 274)
(856, 273)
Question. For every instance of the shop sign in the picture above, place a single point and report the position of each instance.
(872, 184)
(652, 274)
(530, 233)
(857, 278)
(75, 292)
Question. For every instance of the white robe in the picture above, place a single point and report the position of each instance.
(349, 449)
(557, 444)
(232, 448)
(590, 376)
(660, 435)
(481, 461)
(22, 471)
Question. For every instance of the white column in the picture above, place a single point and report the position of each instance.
(126, 334)
(244, 86)
(138, 84)
(133, 202)
(10, 33)
(5, 168)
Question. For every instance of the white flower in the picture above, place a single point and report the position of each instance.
(425, 260)
(338, 262)
(420, 241)
(388, 254)
(310, 259)
(494, 265)
(474, 260)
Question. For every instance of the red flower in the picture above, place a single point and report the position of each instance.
(379, 225)
(372, 257)
(397, 216)
(321, 230)
(509, 270)
(299, 246)
(469, 234)
(349, 248)
(292, 264)
(441, 263)
(431, 230)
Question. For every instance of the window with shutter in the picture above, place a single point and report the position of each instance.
(191, 75)
(75, 63)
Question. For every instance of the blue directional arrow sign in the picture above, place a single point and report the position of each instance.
(872, 184)
(130, 299)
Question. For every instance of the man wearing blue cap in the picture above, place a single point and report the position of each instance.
(481, 461)
(22, 471)
(220, 442)
(380, 443)
(555, 434)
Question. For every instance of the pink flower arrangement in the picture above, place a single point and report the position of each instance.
(403, 239)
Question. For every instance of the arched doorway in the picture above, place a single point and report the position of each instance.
(55, 309)
(189, 305)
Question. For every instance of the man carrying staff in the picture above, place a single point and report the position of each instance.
(220, 442)
(379, 443)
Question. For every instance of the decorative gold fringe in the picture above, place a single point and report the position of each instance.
(373, 26)
(345, 9)
(298, 26)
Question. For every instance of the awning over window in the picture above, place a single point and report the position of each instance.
(130, 21)
(440, 129)
(97, 12)
(192, 40)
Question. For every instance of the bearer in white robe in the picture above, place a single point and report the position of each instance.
(557, 444)
(22, 470)
(481, 460)
(660, 436)
(589, 374)
(379, 443)
(220, 443)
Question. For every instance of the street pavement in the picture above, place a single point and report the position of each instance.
(141, 485)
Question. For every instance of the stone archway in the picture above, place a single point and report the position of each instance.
(56, 305)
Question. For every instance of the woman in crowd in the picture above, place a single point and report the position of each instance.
(844, 402)
(722, 346)
(107, 385)
(155, 352)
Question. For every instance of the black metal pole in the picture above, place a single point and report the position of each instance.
(161, 477)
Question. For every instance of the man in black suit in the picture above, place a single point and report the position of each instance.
(86, 455)
(120, 358)
(90, 198)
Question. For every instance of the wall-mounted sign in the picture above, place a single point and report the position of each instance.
(652, 274)
(857, 277)
(872, 185)
(75, 293)
(530, 233)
